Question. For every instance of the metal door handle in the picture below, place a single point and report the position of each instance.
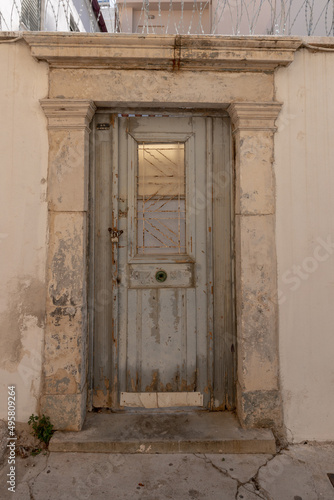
(114, 234)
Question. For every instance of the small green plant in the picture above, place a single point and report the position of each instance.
(42, 427)
(36, 451)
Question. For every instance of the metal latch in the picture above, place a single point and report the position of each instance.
(114, 234)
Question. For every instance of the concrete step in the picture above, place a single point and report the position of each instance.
(164, 432)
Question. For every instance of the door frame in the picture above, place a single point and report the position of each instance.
(88, 70)
(221, 317)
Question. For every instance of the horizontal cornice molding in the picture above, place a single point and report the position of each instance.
(169, 52)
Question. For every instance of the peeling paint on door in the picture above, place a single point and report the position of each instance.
(160, 269)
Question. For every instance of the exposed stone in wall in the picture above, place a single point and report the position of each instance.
(65, 368)
(64, 343)
(157, 87)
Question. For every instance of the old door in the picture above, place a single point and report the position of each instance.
(153, 299)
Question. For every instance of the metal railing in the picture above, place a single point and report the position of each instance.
(229, 17)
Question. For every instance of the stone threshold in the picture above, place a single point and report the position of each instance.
(164, 432)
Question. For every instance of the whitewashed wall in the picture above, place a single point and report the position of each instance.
(305, 243)
(23, 225)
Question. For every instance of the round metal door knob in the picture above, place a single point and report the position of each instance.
(161, 276)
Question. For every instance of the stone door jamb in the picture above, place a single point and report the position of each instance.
(258, 392)
(66, 335)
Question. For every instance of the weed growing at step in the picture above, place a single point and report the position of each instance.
(42, 427)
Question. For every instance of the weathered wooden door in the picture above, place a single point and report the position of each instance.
(153, 284)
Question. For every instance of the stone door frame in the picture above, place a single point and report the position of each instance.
(240, 75)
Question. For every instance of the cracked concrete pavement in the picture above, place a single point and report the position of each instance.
(296, 473)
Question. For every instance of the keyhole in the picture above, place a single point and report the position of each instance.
(161, 276)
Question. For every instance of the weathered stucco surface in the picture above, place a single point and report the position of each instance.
(259, 402)
(66, 277)
(65, 365)
(303, 235)
(156, 87)
(304, 152)
(23, 226)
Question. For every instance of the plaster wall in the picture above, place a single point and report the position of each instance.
(304, 224)
(304, 152)
(23, 225)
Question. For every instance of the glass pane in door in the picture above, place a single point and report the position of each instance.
(161, 204)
